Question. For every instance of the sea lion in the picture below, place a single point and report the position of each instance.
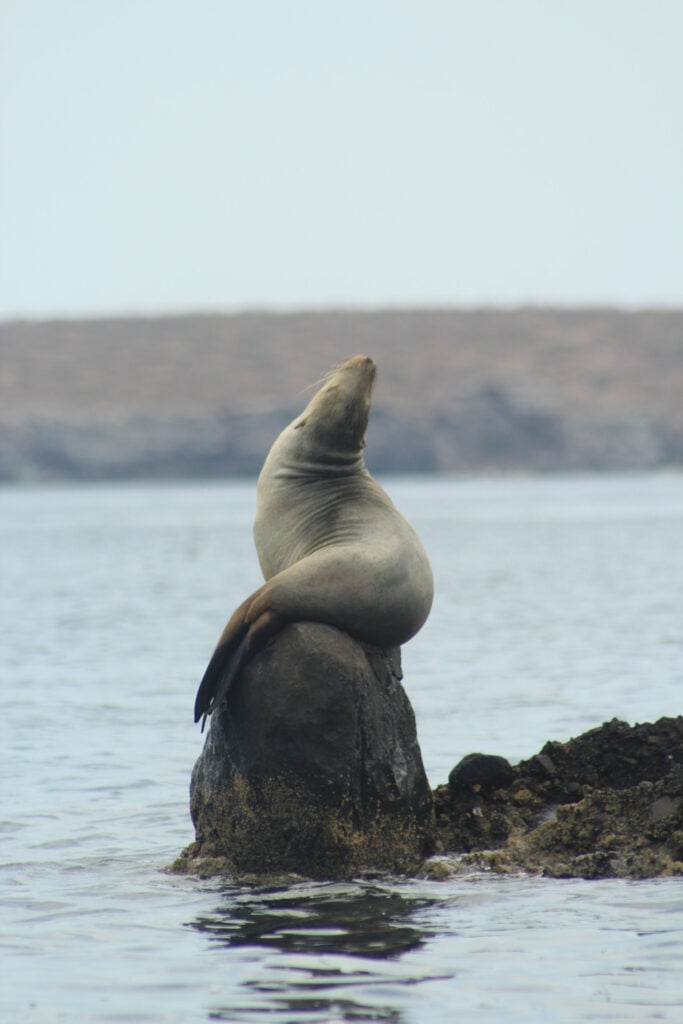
(332, 546)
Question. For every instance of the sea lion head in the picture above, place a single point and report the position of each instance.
(336, 418)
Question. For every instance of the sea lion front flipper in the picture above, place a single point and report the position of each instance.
(247, 631)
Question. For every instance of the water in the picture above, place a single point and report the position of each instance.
(558, 606)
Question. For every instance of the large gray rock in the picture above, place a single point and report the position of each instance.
(312, 765)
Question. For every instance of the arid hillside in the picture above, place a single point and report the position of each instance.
(527, 389)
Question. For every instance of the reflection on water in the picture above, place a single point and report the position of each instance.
(354, 919)
(332, 949)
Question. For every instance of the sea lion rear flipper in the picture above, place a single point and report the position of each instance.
(240, 639)
(225, 663)
(228, 644)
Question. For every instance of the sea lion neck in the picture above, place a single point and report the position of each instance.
(327, 466)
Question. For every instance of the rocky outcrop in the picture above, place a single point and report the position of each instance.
(606, 804)
(312, 765)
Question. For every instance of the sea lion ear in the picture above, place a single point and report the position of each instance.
(301, 423)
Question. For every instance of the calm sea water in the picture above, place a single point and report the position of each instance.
(559, 604)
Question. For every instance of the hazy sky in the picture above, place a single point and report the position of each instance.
(164, 155)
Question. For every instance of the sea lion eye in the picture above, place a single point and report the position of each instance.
(301, 423)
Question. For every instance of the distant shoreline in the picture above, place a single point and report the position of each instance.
(192, 396)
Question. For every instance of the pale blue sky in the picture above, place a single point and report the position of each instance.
(160, 155)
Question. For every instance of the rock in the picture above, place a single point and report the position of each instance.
(312, 765)
(478, 772)
(606, 804)
(615, 755)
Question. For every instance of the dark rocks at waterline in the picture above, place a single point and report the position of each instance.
(312, 766)
(606, 804)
